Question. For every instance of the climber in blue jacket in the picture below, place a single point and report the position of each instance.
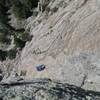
(40, 67)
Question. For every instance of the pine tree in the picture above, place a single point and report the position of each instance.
(22, 9)
(5, 28)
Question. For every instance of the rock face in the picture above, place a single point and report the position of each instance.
(44, 89)
(66, 39)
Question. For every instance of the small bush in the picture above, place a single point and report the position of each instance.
(11, 54)
(4, 39)
(30, 3)
(21, 38)
(19, 43)
(23, 9)
(21, 12)
(54, 9)
(3, 55)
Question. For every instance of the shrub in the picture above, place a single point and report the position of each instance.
(3, 55)
(19, 43)
(23, 36)
(30, 3)
(3, 14)
(23, 8)
(11, 54)
(4, 38)
(21, 12)
(20, 38)
(5, 28)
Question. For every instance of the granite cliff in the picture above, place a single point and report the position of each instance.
(65, 38)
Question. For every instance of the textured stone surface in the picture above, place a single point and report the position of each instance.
(44, 89)
(66, 39)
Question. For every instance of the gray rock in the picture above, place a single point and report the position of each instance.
(45, 89)
(67, 41)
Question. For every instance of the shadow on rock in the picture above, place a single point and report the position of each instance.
(44, 89)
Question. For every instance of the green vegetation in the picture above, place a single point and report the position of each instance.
(3, 55)
(5, 28)
(23, 36)
(30, 4)
(22, 9)
(19, 43)
(11, 54)
(4, 39)
(20, 39)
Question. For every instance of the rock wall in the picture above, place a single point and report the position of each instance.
(45, 89)
(66, 40)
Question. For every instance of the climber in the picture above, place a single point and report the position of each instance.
(40, 67)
